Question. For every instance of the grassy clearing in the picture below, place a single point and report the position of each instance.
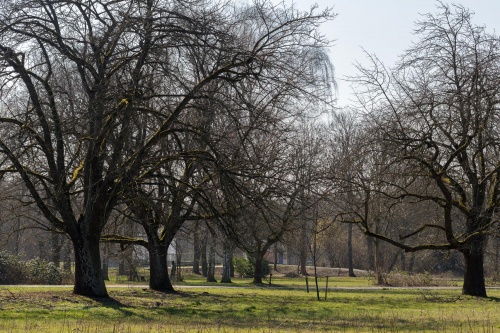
(247, 308)
(280, 281)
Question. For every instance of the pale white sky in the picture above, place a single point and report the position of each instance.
(383, 28)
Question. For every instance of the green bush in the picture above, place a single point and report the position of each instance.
(245, 267)
(242, 266)
(13, 270)
(39, 271)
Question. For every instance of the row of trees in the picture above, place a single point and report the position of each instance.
(162, 110)
(165, 112)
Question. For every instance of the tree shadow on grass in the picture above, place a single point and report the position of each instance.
(494, 299)
(112, 303)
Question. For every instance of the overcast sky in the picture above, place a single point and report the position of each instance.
(384, 28)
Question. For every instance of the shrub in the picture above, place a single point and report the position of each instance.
(242, 266)
(245, 267)
(11, 269)
(36, 271)
(404, 279)
(39, 271)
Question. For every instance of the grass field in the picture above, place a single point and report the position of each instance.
(285, 307)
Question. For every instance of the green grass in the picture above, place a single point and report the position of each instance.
(248, 308)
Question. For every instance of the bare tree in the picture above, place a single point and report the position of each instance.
(436, 116)
(76, 76)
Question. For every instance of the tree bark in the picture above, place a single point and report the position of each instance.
(105, 263)
(402, 257)
(371, 253)
(257, 276)
(275, 265)
(226, 265)
(303, 252)
(88, 273)
(496, 266)
(197, 252)
(231, 265)
(350, 260)
(67, 257)
(412, 263)
(18, 238)
(203, 252)
(474, 283)
(378, 263)
(158, 268)
(55, 249)
(121, 265)
(211, 262)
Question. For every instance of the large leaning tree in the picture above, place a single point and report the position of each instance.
(78, 77)
(436, 116)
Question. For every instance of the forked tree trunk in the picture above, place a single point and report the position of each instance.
(88, 273)
(474, 284)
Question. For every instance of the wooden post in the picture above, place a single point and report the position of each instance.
(307, 285)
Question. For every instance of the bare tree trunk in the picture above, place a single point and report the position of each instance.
(350, 260)
(42, 251)
(231, 272)
(197, 251)
(275, 265)
(88, 273)
(178, 257)
(121, 265)
(18, 237)
(226, 265)
(371, 253)
(203, 252)
(158, 268)
(379, 263)
(402, 258)
(496, 265)
(67, 258)
(474, 282)
(412, 263)
(303, 252)
(55, 249)
(211, 261)
(105, 263)
(394, 261)
(257, 276)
